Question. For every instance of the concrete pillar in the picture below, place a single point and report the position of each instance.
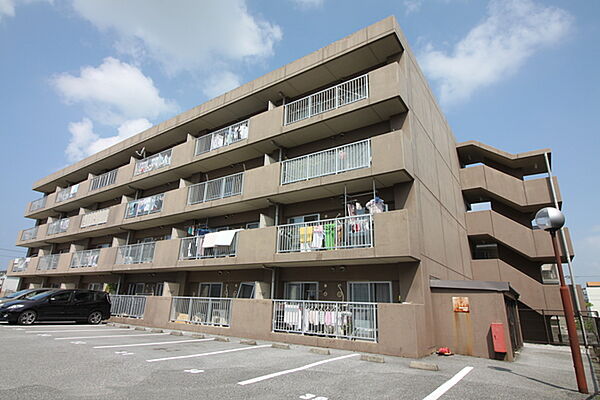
(177, 233)
(170, 289)
(68, 285)
(265, 220)
(268, 160)
(270, 106)
(184, 183)
(117, 241)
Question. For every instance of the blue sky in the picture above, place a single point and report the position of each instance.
(518, 75)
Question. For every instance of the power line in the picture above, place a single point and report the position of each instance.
(12, 250)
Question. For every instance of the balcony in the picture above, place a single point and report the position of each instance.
(103, 180)
(94, 218)
(326, 100)
(28, 234)
(37, 204)
(49, 262)
(145, 206)
(337, 233)
(20, 264)
(221, 138)
(328, 162)
(153, 162)
(214, 189)
(136, 253)
(192, 248)
(59, 226)
(85, 258)
(66, 193)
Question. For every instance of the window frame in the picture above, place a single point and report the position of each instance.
(302, 289)
(371, 291)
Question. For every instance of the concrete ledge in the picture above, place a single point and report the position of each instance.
(249, 342)
(280, 346)
(372, 358)
(155, 330)
(176, 333)
(139, 328)
(221, 339)
(424, 365)
(323, 352)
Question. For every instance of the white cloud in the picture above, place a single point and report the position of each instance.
(85, 142)
(7, 8)
(309, 3)
(411, 6)
(113, 92)
(191, 35)
(220, 83)
(494, 49)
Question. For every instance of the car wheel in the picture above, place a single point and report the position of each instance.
(95, 318)
(27, 317)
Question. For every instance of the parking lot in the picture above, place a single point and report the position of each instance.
(71, 361)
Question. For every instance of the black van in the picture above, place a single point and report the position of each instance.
(89, 306)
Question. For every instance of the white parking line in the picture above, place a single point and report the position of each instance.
(62, 326)
(153, 344)
(209, 354)
(437, 393)
(109, 336)
(74, 330)
(289, 371)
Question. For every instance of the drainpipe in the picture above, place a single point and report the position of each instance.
(565, 249)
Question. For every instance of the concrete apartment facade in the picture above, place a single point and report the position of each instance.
(284, 159)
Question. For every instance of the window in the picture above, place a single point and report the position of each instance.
(304, 218)
(302, 290)
(61, 297)
(135, 288)
(158, 289)
(252, 225)
(95, 286)
(246, 290)
(84, 297)
(549, 273)
(485, 251)
(371, 292)
(210, 289)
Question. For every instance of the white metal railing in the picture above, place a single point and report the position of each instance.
(214, 311)
(37, 204)
(191, 249)
(28, 234)
(222, 137)
(85, 258)
(67, 193)
(106, 179)
(145, 206)
(136, 253)
(326, 100)
(127, 306)
(343, 320)
(59, 226)
(214, 189)
(20, 264)
(153, 162)
(48, 262)
(327, 162)
(327, 234)
(97, 217)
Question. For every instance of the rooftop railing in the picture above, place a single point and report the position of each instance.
(222, 137)
(67, 193)
(103, 180)
(327, 100)
(93, 218)
(191, 249)
(20, 264)
(48, 262)
(214, 189)
(145, 206)
(29, 234)
(85, 258)
(136, 253)
(337, 233)
(153, 162)
(214, 311)
(37, 204)
(343, 320)
(327, 162)
(60, 226)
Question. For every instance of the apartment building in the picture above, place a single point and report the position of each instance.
(325, 203)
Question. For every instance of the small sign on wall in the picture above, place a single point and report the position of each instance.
(460, 304)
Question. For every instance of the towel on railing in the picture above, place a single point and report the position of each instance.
(221, 238)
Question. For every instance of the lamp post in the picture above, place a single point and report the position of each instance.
(551, 219)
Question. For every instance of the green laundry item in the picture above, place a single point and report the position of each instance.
(329, 235)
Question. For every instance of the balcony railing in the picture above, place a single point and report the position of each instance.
(103, 180)
(213, 311)
(29, 234)
(37, 204)
(145, 206)
(327, 100)
(48, 262)
(192, 249)
(20, 264)
(153, 162)
(98, 217)
(60, 226)
(127, 306)
(328, 162)
(326, 318)
(85, 258)
(67, 193)
(222, 137)
(214, 189)
(328, 234)
(136, 253)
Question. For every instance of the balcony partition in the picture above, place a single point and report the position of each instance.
(20, 264)
(103, 180)
(29, 234)
(328, 234)
(67, 193)
(213, 311)
(214, 189)
(192, 249)
(48, 262)
(136, 253)
(93, 218)
(37, 204)
(145, 206)
(60, 226)
(327, 100)
(327, 162)
(85, 258)
(222, 137)
(153, 162)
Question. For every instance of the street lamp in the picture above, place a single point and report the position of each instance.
(551, 219)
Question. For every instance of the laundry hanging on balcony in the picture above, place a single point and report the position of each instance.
(221, 238)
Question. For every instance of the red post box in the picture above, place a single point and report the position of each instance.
(498, 337)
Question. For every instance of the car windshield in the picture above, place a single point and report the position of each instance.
(41, 295)
(16, 294)
(31, 295)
